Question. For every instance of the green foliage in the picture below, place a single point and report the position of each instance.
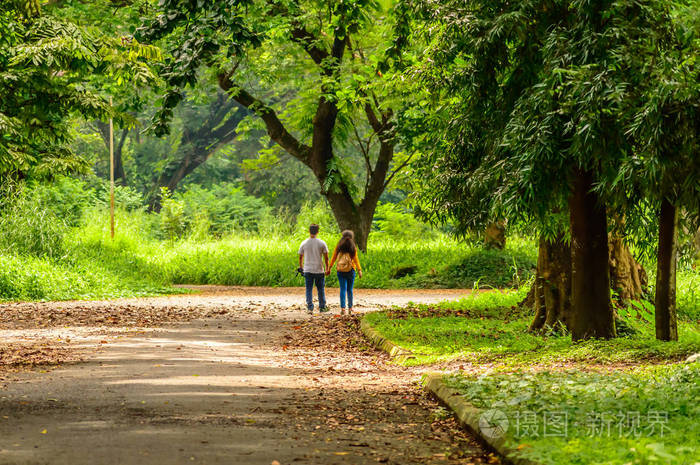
(495, 268)
(645, 416)
(172, 215)
(46, 63)
(65, 197)
(525, 92)
(211, 213)
(35, 217)
(394, 221)
(139, 261)
(321, 87)
(35, 98)
(225, 207)
(283, 182)
(486, 328)
(316, 213)
(27, 278)
(29, 225)
(688, 293)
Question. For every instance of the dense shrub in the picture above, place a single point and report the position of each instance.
(28, 225)
(494, 268)
(172, 216)
(201, 213)
(225, 208)
(320, 214)
(392, 220)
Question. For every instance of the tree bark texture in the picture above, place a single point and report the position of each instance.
(627, 276)
(666, 323)
(495, 235)
(592, 312)
(551, 292)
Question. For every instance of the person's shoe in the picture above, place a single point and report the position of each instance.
(342, 311)
(349, 311)
(324, 310)
(310, 311)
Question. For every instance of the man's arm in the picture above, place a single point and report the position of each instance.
(325, 258)
(301, 260)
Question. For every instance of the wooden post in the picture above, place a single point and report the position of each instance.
(111, 173)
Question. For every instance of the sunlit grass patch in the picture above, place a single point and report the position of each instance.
(644, 416)
(485, 328)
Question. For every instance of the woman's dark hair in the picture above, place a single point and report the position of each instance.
(347, 244)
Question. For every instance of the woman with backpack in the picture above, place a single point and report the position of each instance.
(345, 257)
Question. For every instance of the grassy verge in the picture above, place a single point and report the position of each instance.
(25, 278)
(591, 402)
(484, 329)
(646, 416)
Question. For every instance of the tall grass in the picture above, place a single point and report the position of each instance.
(268, 259)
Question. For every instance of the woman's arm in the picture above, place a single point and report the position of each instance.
(335, 256)
(356, 262)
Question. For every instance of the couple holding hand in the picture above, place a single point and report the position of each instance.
(313, 255)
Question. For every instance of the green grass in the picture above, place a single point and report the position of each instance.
(484, 329)
(688, 293)
(25, 278)
(558, 396)
(646, 416)
(271, 262)
(92, 265)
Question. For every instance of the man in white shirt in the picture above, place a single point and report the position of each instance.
(313, 254)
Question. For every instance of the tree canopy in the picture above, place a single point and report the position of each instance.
(47, 65)
(312, 73)
(545, 107)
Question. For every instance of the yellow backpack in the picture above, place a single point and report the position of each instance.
(344, 263)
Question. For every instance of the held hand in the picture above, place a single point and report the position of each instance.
(328, 272)
(359, 273)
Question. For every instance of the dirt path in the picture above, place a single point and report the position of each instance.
(235, 376)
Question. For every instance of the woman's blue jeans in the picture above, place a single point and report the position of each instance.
(346, 280)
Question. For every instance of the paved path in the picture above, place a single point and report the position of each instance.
(250, 379)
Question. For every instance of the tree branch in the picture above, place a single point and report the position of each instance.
(275, 128)
(397, 169)
(307, 40)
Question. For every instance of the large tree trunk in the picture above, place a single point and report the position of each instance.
(627, 276)
(666, 324)
(550, 295)
(551, 292)
(350, 216)
(319, 156)
(592, 312)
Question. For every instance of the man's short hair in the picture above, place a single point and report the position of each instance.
(313, 229)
